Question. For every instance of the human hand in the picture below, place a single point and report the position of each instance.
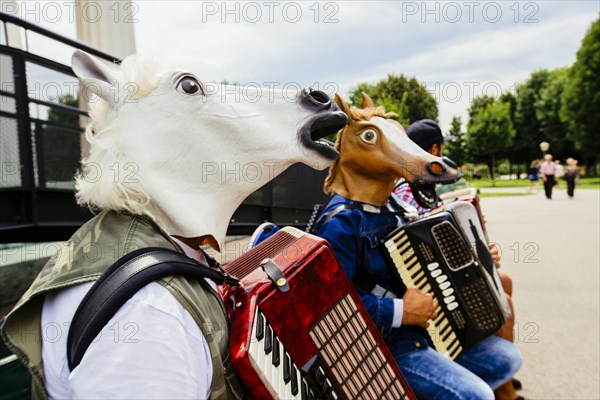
(419, 308)
(495, 254)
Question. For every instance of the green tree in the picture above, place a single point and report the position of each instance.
(410, 97)
(489, 132)
(479, 103)
(581, 99)
(455, 149)
(548, 105)
(400, 108)
(508, 97)
(528, 128)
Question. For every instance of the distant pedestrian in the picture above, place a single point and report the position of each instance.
(532, 175)
(571, 176)
(559, 172)
(548, 169)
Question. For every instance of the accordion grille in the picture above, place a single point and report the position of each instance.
(244, 266)
(452, 245)
(352, 353)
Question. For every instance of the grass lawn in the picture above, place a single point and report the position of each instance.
(584, 183)
(504, 194)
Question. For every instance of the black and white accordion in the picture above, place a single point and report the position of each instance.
(443, 254)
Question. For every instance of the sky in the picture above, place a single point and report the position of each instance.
(457, 49)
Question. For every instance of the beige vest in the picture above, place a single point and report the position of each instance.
(90, 251)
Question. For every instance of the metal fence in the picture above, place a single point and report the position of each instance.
(41, 145)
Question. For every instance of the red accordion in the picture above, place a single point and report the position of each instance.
(300, 331)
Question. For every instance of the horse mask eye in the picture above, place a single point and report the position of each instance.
(369, 136)
(190, 85)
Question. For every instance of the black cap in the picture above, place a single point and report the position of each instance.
(426, 133)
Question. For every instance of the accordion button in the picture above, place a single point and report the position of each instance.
(447, 292)
(452, 306)
(449, 300)
(432, 266)
(436, 273)
(445, 285)
(441, 279)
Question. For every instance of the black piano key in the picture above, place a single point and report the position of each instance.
(413, 274)
(421, 282)
(304, 391)
(286, 368)
(260, 326)
(320, 377)
(412, 263)
(268, 340)
(276, 359)
(327, 389)
(445, 333)
(455, 352)
(294, 380)
(446, 328)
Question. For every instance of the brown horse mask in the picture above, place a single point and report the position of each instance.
(375, 152)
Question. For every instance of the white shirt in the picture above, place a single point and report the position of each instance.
(151, 348)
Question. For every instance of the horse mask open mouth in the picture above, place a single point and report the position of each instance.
(425, 194)
(424, 189)
(329, 119)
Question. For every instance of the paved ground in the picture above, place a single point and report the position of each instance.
(551, 250)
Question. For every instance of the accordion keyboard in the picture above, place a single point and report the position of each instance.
(274, 364)
(414, 275)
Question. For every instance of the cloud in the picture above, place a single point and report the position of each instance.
(457, 68)
(443, 44)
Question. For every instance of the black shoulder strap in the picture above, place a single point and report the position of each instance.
(120, 282)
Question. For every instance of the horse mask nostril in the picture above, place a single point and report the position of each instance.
(436, 168)
(320, 97)
(449, 162)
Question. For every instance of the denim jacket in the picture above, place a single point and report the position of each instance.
(355, 236)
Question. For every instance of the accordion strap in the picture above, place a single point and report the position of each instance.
(363, 207)
(121, 282)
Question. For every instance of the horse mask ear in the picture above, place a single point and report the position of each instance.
(343, 106)
(367, 101)
(96, 76)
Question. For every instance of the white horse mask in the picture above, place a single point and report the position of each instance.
(166, 145)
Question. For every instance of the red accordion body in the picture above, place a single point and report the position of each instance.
(300, 331)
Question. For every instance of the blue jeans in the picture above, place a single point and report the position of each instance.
(485, 366)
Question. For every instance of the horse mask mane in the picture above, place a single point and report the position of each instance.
(375, 152)
(166, 145)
